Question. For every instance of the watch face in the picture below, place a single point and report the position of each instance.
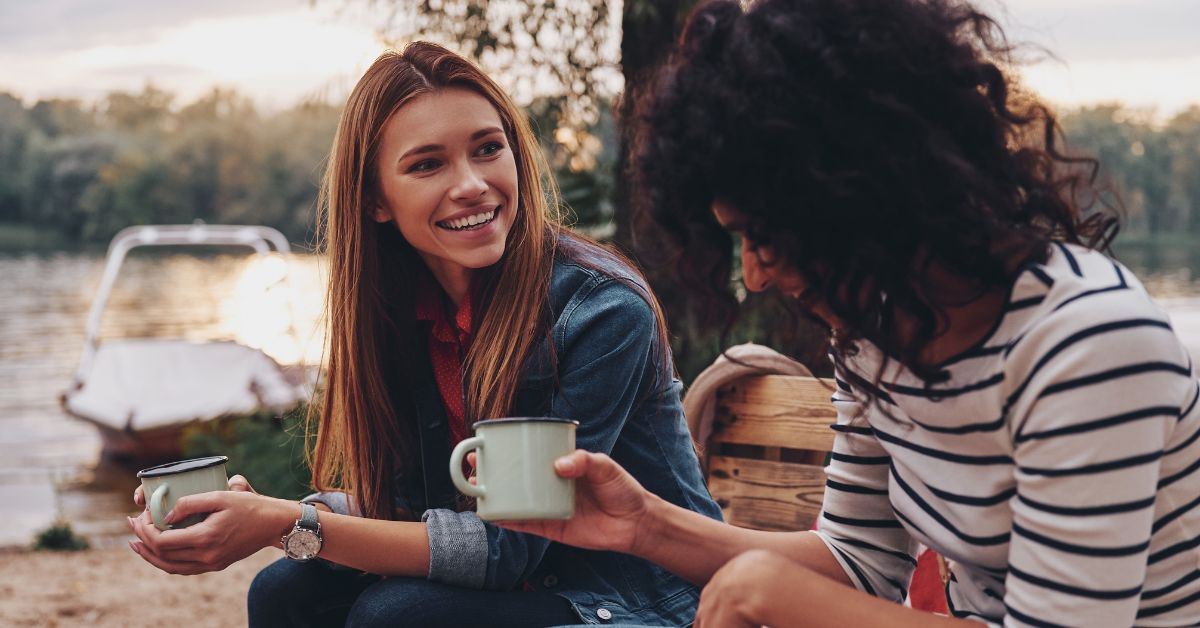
(303, 544)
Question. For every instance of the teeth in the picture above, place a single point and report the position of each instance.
(470, 221)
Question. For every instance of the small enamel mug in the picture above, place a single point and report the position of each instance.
(165, 484)
(514, 470)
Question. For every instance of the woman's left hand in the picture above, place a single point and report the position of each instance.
(750, 590)
(239, 524)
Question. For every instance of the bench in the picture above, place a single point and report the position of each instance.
(766, 455)
(765, 463)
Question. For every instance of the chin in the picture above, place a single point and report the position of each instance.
(485, 259)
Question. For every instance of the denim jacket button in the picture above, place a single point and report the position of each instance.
(550, 581)
(604, 614)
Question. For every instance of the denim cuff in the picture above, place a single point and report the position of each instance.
(458, 548)
(337, 501)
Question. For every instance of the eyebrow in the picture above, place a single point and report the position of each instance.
(431, 148)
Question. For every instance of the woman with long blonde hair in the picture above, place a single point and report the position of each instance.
(455, 295)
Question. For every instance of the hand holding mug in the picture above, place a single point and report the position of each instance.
(236, 483)
(514, 468)
(610, 506)
(236, 524)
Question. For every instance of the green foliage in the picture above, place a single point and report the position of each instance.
(1154, 168)
(532, 47)
(86, 172)
(59, 537)
(267, 449)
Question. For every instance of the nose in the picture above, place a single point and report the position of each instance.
(754, 274)
(468, 185)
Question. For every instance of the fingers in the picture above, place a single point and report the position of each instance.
(240, 483)
(573, 465)
(194, 504)
(169, 566)
(185, 552)
(473, 462)
(156, 541)
(139, 496)
(597, 468)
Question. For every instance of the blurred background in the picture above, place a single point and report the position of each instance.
(131, 112)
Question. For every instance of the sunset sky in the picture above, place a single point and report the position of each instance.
(1141, 52)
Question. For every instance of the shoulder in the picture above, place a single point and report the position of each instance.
(584, 270)
(593, 290)
(1091, 322)
(1079, 293)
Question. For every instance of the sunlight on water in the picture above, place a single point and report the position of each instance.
(276, 306)
(49, 463)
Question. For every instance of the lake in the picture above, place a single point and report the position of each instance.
(50, 464)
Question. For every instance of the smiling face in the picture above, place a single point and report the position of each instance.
(448, 181)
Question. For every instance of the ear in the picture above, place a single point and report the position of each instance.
(381, 214)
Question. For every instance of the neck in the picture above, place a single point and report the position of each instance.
(456, 280)
(966, 316)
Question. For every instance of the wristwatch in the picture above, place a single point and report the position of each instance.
(304, 542)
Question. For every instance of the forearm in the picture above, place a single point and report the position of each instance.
(831, 604)
(387, 548)
(694, 547)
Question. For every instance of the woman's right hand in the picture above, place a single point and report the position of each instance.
(236, 483)
(609, 506)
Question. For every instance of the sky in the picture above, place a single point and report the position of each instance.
(1144, 53)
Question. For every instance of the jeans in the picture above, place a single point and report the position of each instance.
(288, 593)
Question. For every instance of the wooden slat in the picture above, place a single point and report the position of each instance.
(766, 495)
(776, 411)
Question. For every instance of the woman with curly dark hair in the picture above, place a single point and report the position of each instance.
(1008, 395)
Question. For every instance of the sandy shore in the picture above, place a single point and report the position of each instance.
(114, 587)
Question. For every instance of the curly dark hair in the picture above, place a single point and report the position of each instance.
(864, 140)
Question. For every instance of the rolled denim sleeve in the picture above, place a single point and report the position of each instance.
(337, 501)
(606, 343)
(458, 547)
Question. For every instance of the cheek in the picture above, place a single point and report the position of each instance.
(504, 176)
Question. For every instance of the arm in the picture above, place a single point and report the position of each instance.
(241, 523)
(753, 577)
(606, 332)
(1096, 394)
(763, 588)
(614, 512)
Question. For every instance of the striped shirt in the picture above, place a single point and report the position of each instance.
(1057, 469)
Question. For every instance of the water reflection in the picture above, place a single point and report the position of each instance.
(49, 463)
(266, 311)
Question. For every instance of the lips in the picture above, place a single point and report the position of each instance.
(470, 222)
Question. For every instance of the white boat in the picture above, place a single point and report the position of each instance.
(142, 392)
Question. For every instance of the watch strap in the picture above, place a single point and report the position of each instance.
(308, 517)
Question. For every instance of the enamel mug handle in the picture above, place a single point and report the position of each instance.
(456, 466)
(156, 506)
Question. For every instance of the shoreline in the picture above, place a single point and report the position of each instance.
(112, 586)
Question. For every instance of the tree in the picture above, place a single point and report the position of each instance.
(572, 54)
(15, 136)
(573, 49)
(1183, 142)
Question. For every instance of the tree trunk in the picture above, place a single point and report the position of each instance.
(648, 31)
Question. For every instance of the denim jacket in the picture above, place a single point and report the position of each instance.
(609, 376)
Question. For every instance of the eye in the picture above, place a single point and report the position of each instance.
(425, 165)
(490, 148)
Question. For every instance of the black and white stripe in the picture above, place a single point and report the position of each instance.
(1058, 467)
